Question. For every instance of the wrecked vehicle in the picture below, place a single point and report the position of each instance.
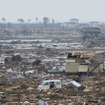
(49, 84)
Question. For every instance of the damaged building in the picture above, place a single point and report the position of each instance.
(90, 32)
(83, 63)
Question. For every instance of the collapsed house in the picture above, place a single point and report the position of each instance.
(84, 63)
(90, 32)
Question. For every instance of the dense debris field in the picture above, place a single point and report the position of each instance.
(32, 53)
(25, 89)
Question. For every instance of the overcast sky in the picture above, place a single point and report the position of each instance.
(60, 10)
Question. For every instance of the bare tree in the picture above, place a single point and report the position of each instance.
(3, 19)
(29, 20)
(53, 21)
(20, 20)
(36, 20)
(45, 20)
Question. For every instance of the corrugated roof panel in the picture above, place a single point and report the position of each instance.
(76, 83)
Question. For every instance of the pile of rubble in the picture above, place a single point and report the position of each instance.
(24, 91)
